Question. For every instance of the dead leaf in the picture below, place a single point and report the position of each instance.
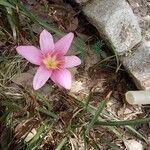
(23, 128)
(77, 86)
(76, 144)
(31, 135)
(64, 16)
(23, 79)
(91, 58)
(82, 36)
(127, 112)
(80, 83)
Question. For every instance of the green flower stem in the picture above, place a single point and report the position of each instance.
(123, 123)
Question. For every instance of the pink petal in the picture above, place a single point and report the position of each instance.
(31, 53)
(72, 61)
(62, 77)
(46, 41)
(40, 78)
(64, 43)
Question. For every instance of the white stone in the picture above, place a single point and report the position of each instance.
(116, 23)
(133, 145)
(138, 65)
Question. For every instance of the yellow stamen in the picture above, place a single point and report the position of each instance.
(51, 62)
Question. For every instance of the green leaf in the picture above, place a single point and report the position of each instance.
(97, 46)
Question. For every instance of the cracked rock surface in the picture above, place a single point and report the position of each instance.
(116, 23)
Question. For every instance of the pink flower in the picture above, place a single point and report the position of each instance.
(51, 60)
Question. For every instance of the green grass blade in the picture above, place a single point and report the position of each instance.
(4, 117)
(91, 109)
(105, 60)
(6, 4)
(78, 43)
(33, 38)
(84, 139)
(96, 115)
(41, 97)
(95, 146)
(61, 144)
(38, 138)
(131, 129)
(11, 105)
(37, 19)
(11, 20)
(87, 101)
(49, 113)
(33, 143)
(123, 123)
(113, 146)
(117, 60)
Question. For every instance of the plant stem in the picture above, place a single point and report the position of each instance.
(123, 123)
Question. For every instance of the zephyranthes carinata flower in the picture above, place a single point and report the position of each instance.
(51, 60)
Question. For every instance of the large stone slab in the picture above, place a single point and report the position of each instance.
(138, 65)
(115, 22)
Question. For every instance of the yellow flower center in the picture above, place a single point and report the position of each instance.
(51, 61)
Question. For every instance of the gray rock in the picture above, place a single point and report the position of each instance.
(138, 65)
(115, 22)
